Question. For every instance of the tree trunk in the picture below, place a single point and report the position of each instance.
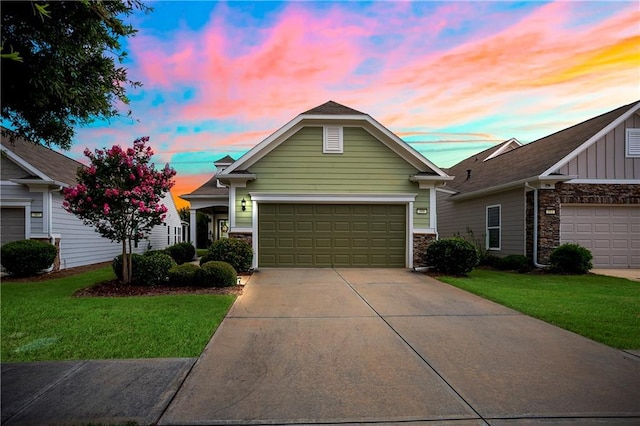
(125, 266)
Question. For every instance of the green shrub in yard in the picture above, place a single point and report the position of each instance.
(181, 252)
(153, 269)
(237, 253)
(206, 258)
(514, 262)
(490, 260)
(453, 256)
(570, 259)
(184, 275)
(116, 264)
(27, 257)
(217, 274)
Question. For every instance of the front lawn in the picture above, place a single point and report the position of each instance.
(43, 321)
(605, 309)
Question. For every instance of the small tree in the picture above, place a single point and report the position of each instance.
(119, 195)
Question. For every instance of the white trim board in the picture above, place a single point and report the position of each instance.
(332, 198)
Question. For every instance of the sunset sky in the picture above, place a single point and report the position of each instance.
(450, 78)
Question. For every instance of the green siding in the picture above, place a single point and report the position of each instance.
(243, 218)
(298, 165)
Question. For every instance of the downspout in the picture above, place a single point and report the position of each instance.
(50, 235)
(535, 227)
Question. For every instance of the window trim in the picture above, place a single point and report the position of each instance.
(629, 134)
(326, 148)
(498, 227)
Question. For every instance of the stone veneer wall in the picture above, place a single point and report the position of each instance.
(568, 193)
(420, 244)
(248, 237)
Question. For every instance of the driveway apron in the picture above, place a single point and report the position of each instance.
(389, 345)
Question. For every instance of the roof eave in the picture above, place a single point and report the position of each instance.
(539, 181)
(53, 184)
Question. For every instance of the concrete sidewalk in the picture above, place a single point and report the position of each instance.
(90, 392)
(390, 346)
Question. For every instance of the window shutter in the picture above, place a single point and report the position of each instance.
(332, 140)
(633, 142)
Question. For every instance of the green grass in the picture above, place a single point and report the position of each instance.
(43, 321)
(201, 252)
(605, 309)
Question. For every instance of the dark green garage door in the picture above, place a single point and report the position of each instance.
(300, 235)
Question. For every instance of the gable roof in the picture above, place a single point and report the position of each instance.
(335, 113)
(209, 188)
(538, 158)
(227, 159)
(332, 108)
(40, 161)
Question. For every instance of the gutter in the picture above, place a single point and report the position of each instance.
(535, 227)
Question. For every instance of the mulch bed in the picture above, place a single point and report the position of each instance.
(114, 288)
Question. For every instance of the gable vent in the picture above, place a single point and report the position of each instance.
(633, 142)
(333, 143)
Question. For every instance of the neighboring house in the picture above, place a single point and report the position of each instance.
(31, 179)
(332, 187)
(579, 185)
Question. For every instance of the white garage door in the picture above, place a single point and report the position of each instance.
(612, 233)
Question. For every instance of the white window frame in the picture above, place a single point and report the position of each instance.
(329, 143)
(492, 228)
(632, 143)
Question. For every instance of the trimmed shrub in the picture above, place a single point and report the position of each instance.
(206, 258)
(217, 274)
(237, 253)
(453, 256)
(116, 264)
(184, 275)
(490, 260)
(182, 252)
(570, 259)
(513, 262)
(27, 257)
(153, 269)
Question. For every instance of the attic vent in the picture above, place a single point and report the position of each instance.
(332, 141)
(633, 143)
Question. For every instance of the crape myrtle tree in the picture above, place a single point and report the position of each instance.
(119, 194)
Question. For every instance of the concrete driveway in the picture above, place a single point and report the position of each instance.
(388, 345)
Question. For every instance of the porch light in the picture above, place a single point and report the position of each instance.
(243, 203)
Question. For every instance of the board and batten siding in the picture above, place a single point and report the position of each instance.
(606, 158)
(298, 165)
(455, 217)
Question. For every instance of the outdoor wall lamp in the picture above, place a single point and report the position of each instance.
(243, 203)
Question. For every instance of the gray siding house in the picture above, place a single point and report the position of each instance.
(31, 179)
(579, 185)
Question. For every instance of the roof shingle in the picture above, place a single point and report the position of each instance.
(53, 164)
(528, 160)
(333, 108)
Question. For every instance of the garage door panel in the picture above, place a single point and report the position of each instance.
(611, 233)
(342, 226)
(332, 235)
